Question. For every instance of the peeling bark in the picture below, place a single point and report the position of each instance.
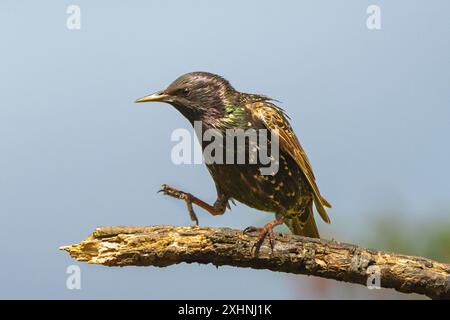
(163, 246)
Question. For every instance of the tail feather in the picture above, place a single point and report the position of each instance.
(325, 202)
(320, 203)
(307, 229)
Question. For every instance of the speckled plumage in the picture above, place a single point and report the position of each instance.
(291, 192)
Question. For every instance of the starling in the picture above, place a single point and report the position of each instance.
(289, 193)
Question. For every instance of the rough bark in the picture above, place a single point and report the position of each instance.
(162, 246)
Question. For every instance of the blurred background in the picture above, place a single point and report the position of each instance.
(371, 108)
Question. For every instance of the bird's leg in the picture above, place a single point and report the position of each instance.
(218, 208)
(265, 231)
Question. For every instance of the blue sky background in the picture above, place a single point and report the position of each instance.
(370, 107)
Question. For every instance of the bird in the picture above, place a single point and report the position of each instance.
(290, 193)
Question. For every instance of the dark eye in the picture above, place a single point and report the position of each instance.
(182, 92)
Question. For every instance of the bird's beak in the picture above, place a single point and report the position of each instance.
(155, 97)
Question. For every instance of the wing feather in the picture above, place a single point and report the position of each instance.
(276, 121)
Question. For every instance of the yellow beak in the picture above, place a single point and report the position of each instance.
(158, 96)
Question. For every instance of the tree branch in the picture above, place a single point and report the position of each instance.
(162, 246)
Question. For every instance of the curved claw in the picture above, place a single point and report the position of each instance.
(257, 246)
(163, 189)
(251, 229)
(271, 243)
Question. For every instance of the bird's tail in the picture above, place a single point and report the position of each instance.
(306, 228)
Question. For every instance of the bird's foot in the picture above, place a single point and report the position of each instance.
(263, 233)
(187, 197)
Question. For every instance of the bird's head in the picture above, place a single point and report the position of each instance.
(196, 95)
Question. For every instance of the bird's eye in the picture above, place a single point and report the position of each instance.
(182, 92)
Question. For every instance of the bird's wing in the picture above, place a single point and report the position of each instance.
(276, 121)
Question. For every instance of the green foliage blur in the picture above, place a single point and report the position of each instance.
(429, 238)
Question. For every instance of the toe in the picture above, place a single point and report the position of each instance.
(250, 229)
